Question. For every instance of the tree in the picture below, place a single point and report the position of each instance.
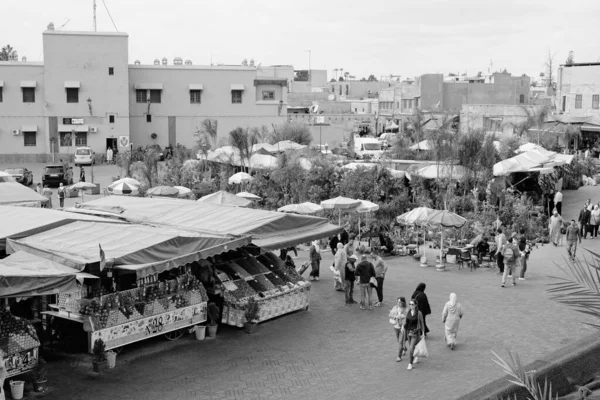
(570, 60)
(206, 136)
(549, 64)
(341, 79)
(243, 140)
(7, 53)
(535, 118)
(298, 133)
(332, 80)
(372, 78)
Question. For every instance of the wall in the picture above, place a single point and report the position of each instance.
(357, 89)
(363, 107)
(472, 116)
(306, 99)
(432, 91)
(574, 80)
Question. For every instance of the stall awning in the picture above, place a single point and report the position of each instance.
(590, 128)
(72, 84)
(149, 85)
(71, 128)
(29, 128)
(19, 222)
(28, 84)
(196, 86)
(12, 193)
(274, 229)
(77, 245)
(237, 86)
(23, 274)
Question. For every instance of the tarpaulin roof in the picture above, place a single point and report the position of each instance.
(530, 161)
(571, 119)
(77, 245)
(225, 198)
(269, 229)
(432, 171)
(19, 222)
(12, 192)
(23, 274)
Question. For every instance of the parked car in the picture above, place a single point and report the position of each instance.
(84, 156)
(21, 175)
(54, 174)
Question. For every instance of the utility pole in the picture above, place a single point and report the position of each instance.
(309, 73)
(95, 30)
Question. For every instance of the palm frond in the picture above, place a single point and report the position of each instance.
(515, 368)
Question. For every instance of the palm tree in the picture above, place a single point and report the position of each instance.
(207, 136)
(7, 53)
(243, 140)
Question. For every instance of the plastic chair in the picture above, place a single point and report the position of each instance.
(465, 257)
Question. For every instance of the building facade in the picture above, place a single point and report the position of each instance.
(579, 89)
(85, 93)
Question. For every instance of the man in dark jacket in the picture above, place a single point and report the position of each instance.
(333, 241)
(584, 221)
(344, 236)
(349, 278)
(364, 272)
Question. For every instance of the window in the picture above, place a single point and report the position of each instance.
(155, 95)
(397, 104)
(268, 95)
(340, 90)
(492, 124)
(141, 95)
(521, 98)
(111, 119)
(236, 96)
(72, 95)
(66, 121)
(148, 118)
(29, 138)
(578, 100)
(66, 139)
(595, 101)
(355, 109)
(564, 103)
(332, 89)
(347, 90)
(81, 139)
(195, 96)
(417, 101)
(1, 94)
(111, 70)
(28, 95)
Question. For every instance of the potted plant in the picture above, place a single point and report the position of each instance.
(99, 361)
(39, 377)
(251, 316)
(213, 317)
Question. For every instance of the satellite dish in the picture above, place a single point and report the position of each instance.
(331, 97)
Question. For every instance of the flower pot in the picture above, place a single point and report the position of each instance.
(39, 386)
(111, 359)
(16, 389)
(211, 330)
(250, 327)
(99, 366)
(200, 332)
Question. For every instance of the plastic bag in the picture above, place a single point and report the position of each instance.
(421, 349)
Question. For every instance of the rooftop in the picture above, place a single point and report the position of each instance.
(589, 64)
(85, 33)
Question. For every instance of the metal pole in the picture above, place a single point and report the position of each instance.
(95, 30)
(320, 138)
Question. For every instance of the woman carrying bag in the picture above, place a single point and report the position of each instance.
(414, 329)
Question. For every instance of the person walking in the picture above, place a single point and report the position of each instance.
(61, 195)
(109, 155)
(510, 254)
(315, 260)
(349, 247)
(364, 272)
(423, 302)
(594, 221)
(451, 316)
(349, 278)
(333, 242)
(397, 317)
(524, 249)
(344, 236)
(339, 265)
(81, 174)
(414, 329)
(47, 193)
(573, 235)
(554, 226)
(500, 242)
(39, 189)
(558, 202)
(380, 271)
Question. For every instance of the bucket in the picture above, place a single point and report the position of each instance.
(111, 359)
(200, 332)
(16, 389)
(212, 330)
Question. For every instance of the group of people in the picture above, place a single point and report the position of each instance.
(410, 322)
(512, 253)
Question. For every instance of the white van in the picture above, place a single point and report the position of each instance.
(367, 146)
(84, 156)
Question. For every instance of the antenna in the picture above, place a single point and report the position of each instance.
(63, 25)
(95, 30)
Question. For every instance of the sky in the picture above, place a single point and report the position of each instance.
(406, 38)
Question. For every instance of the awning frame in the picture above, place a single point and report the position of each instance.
(148, 86)
(28, 84)
(70, 128)
(196, 86)
(29, 128)
(72, 84)
(238, 86)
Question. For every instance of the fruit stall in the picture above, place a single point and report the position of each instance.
(19, 342)
(277, 288)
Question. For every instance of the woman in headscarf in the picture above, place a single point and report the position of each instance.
(315, 260)
(554, 226)
(339, 264)
(451, 316)
(594, 222)
(423, 303)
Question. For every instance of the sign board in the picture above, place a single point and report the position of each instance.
(19, 363)
(76, 121)
(320, 120)
(145, 328)
(123, 141)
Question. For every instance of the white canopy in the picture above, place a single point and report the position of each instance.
(422, 145)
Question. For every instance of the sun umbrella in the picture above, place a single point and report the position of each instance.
(226, 198)
(262, 161)
(422, 145)
(288, 145)
(415, 216)
(444, 219)
(340, 203)
(365, 207)
(248, 195)
(129, 181)
(126, 189)
(167, 191)
(81, 186)
(183, 190)
(266, 146)
(302, 208)
(240, 177)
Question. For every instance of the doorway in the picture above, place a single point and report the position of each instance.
(112, 143)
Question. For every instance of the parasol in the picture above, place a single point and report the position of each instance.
(444, 219)
(240, 177)
(129, 181)
(365, 207)
(340, 203)
(167, 191)
(125, 189)
(81, 186)
(302, 208)
(248, 196)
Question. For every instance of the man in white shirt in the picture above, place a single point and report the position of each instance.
(500, 242)
(558, 202)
